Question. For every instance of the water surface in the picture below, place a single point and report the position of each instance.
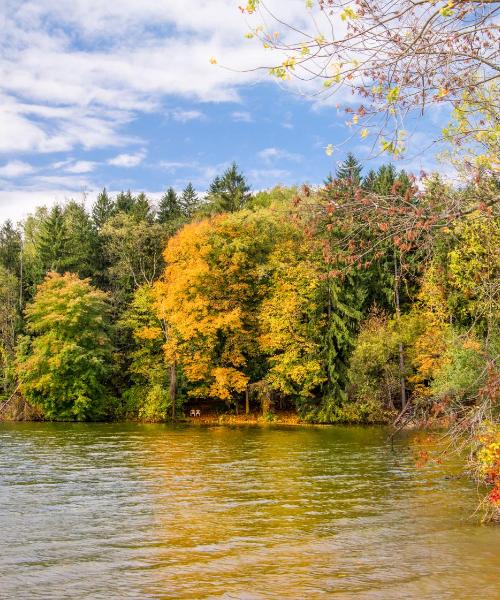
(151, 511)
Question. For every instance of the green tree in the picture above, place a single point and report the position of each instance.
(189, 201)
(148, 397)
(52, 243)
(103, 209)
(125, 202)
(81, 241)
(169, 208)
(142, 209)
(9, 321)
(64, 364)
(229, 192)
(133, 251)
(10, 247)
(350, 170)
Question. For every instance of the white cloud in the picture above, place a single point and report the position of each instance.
(15, 168)
(81, 166)
(269, 155)
(74, 72)
(241, 117)
(127, 160)
(187, 115)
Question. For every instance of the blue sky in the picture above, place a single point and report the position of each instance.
(123, 95)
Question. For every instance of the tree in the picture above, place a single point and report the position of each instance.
(213, 284)
(133, 250)
(103, 209)
(9, 321)
(150, 395)
(81, 241)
(52, 243)
(350, 170)
(10, 247)
(397, 58)
(189, 201)
(64, 365)
(169, 208)
(229, 192)
(124, 202)
(142, 209)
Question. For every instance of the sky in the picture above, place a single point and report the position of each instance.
(122, 94)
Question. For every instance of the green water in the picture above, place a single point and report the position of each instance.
(138, 511)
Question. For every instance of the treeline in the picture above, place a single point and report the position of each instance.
(346, 303)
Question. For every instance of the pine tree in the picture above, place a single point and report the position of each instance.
(350, 170)
(142, 210)
(52, 241)
(10, 247)
(103, 209)
(369, 180)
(169, 208)
(189, 201)
(229, 192)
(81, 247)
(386, 176)
(125, 202)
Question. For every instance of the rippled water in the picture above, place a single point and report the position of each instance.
(138, 511)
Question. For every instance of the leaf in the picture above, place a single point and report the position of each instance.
(393, 94)
(213, 61)
(364, 132)
(329, 150)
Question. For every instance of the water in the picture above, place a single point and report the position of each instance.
(151, 511)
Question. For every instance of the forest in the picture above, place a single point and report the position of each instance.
(368, 298)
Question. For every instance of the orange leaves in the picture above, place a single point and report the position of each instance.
(210, 297)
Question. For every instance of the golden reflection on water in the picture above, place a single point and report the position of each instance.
(131, 511)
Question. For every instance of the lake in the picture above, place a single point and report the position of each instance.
(155, 511)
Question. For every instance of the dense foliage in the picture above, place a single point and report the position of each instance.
(366, 298)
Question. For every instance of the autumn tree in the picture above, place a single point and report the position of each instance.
(65, 362)
(397, 58)
(210, 292)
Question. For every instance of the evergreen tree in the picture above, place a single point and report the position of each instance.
(125, 202)
(229, 192)
(81, 248)
(369, 180)
(10, 247)
(169, 208)
(52, 241)
(142, 210)
(189, 201)
(350, 170)
(103, 209)
(385, 178)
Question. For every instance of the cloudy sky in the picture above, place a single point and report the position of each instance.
(122, 94)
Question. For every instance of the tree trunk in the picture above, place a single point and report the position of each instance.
(398, 316)
(247, 401)
(173, 387)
